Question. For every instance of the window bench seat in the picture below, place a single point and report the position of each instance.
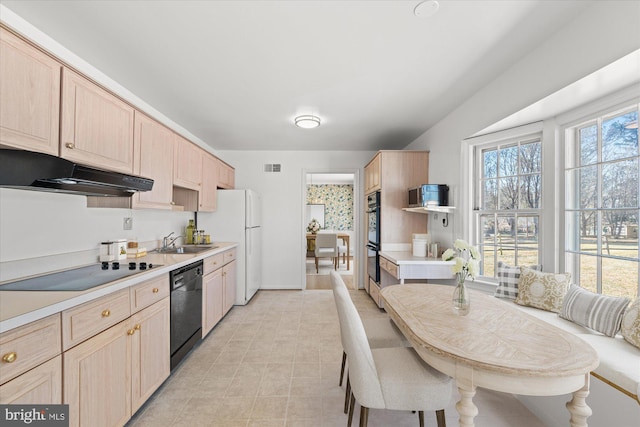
(619, 360)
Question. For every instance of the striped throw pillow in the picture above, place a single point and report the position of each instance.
(598, 312)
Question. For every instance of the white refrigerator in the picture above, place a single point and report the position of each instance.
(238, 218)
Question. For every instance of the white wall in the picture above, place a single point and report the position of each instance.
(282, 199)
(602, 34)
(36, 224)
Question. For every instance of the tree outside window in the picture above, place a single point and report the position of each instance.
(510, 196)
(601, 189)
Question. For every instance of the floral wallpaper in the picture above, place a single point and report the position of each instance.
(338, 204)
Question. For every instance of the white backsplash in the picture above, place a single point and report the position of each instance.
(42, 232)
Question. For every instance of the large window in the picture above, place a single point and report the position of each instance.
(508, 198)
(601, 203)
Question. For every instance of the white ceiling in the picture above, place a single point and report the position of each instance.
(236, 73)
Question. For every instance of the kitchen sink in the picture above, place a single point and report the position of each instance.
(186, 249)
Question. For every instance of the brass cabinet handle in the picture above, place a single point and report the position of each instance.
(137, 327)
(131, 331)
(70, 145)
(156, 290)
(10, 357)
(106, 313)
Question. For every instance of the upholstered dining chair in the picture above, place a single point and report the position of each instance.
(327, 247)
(381, 333)
(342, 250)
(388, 378)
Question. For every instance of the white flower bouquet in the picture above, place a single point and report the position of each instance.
(467, 260)
(313, 226)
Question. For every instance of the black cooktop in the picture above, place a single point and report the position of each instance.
(78, 279)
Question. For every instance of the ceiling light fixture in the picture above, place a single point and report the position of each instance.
(426, 9)
(307, 121)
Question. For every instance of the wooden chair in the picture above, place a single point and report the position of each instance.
(388, 378)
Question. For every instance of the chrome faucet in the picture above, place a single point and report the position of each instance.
(167, 241)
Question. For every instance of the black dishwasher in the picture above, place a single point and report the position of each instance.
(186, 310)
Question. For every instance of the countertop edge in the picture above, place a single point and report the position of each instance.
(406, 257)
(76, 298)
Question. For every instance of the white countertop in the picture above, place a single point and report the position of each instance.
(406, 257)
(18, 308)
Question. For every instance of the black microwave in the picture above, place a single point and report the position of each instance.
(429, 195)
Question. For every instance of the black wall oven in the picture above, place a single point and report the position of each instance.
(373, 236)
(186, 310)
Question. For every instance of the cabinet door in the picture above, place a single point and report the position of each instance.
(96, 127)
(226, 176)
(229, 275)
(150, 351)
(153, 158)
(208, 197)
(187, 166)
(29, 96)
(212, 300)
(97, 379)
(372, 174)
(39, 386)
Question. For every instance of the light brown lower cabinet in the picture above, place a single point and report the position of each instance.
(109, 376)
(212, 295)
(219, 288)
(229, 282)
(39, 386)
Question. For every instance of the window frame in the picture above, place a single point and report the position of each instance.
(571, 250)
(501, 141)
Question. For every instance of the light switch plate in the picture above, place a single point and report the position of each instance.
(127, 223)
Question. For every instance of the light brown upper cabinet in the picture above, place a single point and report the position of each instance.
(226, 176)
(29, 96)
(372, 174)
(393, 173)
(208, 197)
(153, 158)
(187, 164)
(96, 127)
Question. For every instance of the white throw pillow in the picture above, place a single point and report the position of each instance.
(542, 290)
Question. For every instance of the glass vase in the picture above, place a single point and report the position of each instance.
(461, 300)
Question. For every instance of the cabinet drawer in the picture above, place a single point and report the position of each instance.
(229, 255)
(28, 346)
(146, 293)
(389, 266)
(213, 263)
(86, 320)
(41, 385)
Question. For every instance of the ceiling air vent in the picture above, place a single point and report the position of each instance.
(272, 167)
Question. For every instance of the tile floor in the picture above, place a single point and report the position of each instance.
(276, 362)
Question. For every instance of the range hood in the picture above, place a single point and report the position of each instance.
(28, 170)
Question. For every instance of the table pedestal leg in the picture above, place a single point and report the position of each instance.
(578, 407)
(465, 407)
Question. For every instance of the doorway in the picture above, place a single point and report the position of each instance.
(330, 202)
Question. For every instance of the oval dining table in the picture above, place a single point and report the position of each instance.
(495, 346)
